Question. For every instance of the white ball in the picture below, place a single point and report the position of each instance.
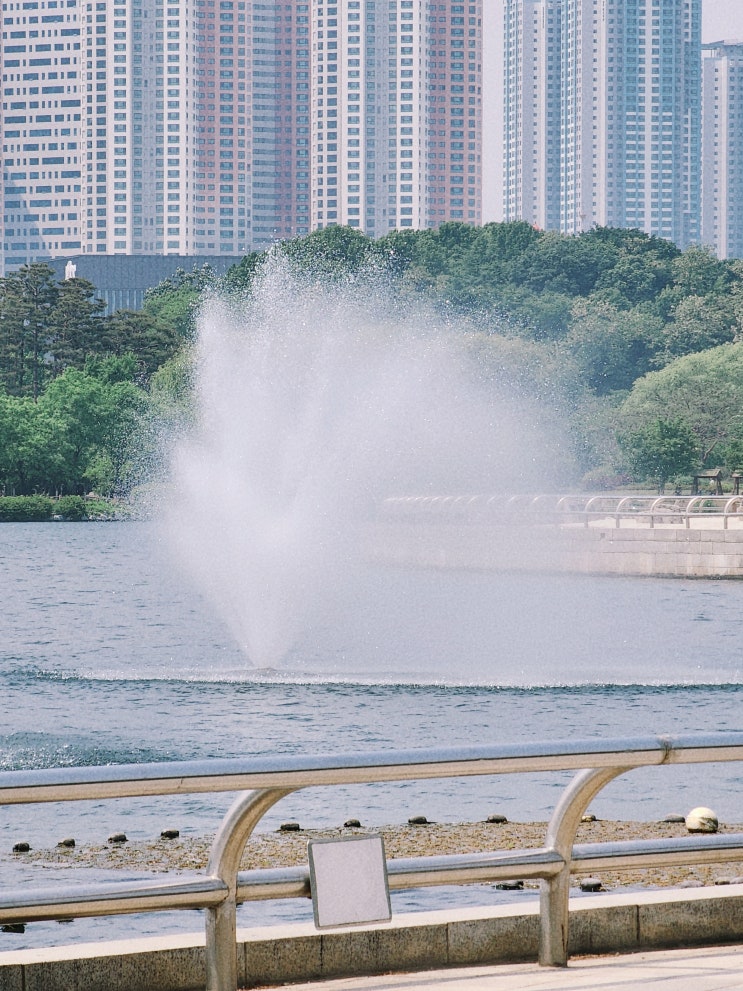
(702, 820)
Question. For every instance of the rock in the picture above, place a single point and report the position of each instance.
(673, 817)
(510, 886)
(118, 838)
(68, 843)
(591, 884)
(690, 882)
(352, 824)
(589, 817)
(13, 927)
(498, 819)
(417, 821)
(289, 827)
(170, 834)
(702, 820)
(21, 847)
(722, 880)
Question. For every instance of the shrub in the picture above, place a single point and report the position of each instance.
(25, 509)
(72, 508)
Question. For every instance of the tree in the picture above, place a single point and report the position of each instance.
(641, 265)
(697, 272)
(333, 251)
(700, 323)
(27, 299)
(150, 340)
(612, 347)
(660, 450)
(74, 328)
(731, 455)
(543, 316)
(98, 418)
(30, 446)
(241, 276)
(563, 264)
(174, 301)
(703, 390)
(171, 387)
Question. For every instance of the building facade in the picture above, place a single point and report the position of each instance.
(41, 129)
(602, 111)
(200, 127)
(396, 114)
(722, 148)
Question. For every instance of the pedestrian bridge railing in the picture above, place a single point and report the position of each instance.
(264, 781)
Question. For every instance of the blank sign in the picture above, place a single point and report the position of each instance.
(349, 881)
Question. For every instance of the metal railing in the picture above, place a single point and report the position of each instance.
(664, 509)
(264, 781)
(568, 509)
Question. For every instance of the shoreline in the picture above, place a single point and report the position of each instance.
(288, 849)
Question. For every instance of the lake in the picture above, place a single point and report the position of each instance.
(108, 655)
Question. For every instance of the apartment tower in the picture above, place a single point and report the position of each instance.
(41, 129)
(203, 127)
(602, 115)
(722, 148)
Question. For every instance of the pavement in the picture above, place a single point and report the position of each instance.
(707, 969)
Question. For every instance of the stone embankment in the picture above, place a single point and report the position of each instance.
(704, 550)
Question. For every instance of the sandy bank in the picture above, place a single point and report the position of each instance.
(281, 849)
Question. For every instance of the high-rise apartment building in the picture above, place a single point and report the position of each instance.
(138, 132)
(41, 129)
(203, 127)
(532, 101)
(722, 148)
(602, 111)
(396, 113)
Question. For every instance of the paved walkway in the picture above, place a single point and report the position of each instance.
(707, 969)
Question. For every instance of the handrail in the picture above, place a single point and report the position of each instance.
(222, 887)
(563, 509)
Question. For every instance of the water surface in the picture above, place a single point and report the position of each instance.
(108, 656)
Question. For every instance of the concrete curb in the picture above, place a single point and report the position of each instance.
(463, 937)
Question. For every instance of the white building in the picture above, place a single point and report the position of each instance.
(214, 127)
(41, 116)
(138, 128)
(722, 148)
(622, 146)
(396, 113)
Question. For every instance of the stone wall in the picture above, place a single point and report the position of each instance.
(463, 937)
(663, 551)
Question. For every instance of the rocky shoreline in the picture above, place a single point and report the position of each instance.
(288, 848)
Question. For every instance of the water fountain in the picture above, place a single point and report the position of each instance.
(316, 401)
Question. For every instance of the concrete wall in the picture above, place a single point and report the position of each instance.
(662, 551)
(598, 924)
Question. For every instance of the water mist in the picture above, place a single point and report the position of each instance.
(316, 401)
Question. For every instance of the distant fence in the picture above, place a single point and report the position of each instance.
(567, 510)
(222, 886)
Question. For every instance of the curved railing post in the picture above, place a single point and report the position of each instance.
(555, 892)
(224, 863)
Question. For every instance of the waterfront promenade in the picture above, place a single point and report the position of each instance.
(705, 969)
(649, 536)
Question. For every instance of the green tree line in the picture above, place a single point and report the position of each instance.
(638, 343)
(75, 401)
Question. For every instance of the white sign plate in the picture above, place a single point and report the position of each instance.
(349, 881)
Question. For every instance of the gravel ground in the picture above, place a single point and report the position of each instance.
(281, 849)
